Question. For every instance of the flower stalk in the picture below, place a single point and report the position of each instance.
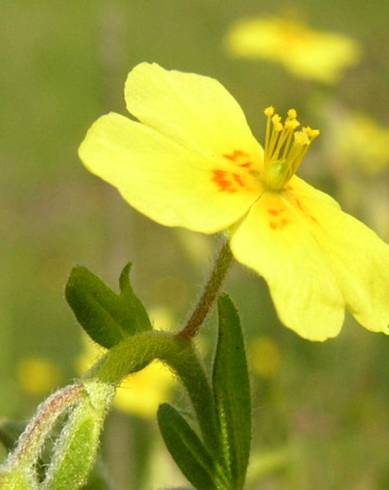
(210, 292)
(138, 350)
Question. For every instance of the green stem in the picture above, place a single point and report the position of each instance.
(134, 352)
(177, 351)
(211, 289)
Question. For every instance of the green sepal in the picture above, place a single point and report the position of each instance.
(76, 448)
(232, 392)
(19, 479)
(10, 432)
(188, 451)
(106, 317)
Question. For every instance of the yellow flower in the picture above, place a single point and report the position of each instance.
(139, 393)
(265, 357)
(37, 375)
(192, 161)
(306, 53)
(359, 140)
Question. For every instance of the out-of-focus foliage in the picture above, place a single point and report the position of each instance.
(324, 409)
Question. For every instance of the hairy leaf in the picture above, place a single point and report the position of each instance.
(232, 392)
(188, 451)
(107, 317)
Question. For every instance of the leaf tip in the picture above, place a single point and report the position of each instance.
(124, 279)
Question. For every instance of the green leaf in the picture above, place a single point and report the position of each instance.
(188, 451)
(232, 392)
(107, 317)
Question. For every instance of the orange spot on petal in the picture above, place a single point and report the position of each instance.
(234, 156)
(279, 224)
(239, 180)
(273, 212)
(239, 157)
(220, 177)
(284, 222)
(304, 210)
(298, 204)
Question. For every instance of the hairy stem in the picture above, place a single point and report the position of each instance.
(209, 294)
(135, 352)
(31, 441)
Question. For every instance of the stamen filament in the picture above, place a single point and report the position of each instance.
(285, 148)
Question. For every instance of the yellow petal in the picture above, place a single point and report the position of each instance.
(168, 183)
(305, 52)
(142, 392)
(358, 257)
(305, 190)
(275, 240)
(196, 111)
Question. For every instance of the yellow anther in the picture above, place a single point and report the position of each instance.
(311, 133)
(292, 113)
(314, 134)
(285, 147)
(292, 124)
(301, 138)
(277, 124)
(269, 111)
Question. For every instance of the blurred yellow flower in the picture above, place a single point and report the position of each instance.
(192, 161)
(265, 357)
(161, 317)
(305, 52)
(140, 393)
(358, 139)
(37, 375)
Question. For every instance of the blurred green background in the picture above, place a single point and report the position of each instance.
(320, 412)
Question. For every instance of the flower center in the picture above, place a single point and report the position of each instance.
(285, 147)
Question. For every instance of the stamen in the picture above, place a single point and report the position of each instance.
(274, 129)
(285, 147)
(269, 111)
(292, 113)
(276, 120)
(311, 133)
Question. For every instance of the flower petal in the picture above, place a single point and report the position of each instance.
(358, 257)
(305, 190)
(165, 181)
(275, 240)
(194, 110)
(305, 52)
